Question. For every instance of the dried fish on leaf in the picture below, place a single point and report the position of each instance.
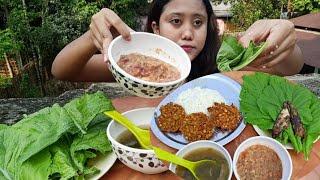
(262, 96)
(296, 121)
(282, 121)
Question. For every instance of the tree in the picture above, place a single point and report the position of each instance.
(306, 6)
(8, 45)
(246, 12)
(44, 27)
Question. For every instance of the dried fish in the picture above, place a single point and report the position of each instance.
(283, 120)
(296, 121)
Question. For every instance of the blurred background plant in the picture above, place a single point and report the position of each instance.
(33, 32)
(306, 6)
(246, 12)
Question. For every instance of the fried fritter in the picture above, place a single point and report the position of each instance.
(197, 126)
(171, 117)
(224, 116)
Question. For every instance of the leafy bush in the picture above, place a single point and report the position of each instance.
(247, 12)
(130, 10)
(5, 82)
(7, 43)
(45, 27)
(28, 89)
(306, 6)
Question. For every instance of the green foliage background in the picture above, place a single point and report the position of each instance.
(246, 12)
(306, 6)
(37, 30)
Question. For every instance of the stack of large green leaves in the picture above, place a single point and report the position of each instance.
(56, 142)
(232, 56)
(261, 101)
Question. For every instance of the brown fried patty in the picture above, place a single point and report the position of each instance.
(197, 126)
(224, 116)
(171, 117)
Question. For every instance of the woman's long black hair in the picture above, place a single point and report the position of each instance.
(205, 62)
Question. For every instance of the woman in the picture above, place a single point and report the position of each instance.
(190, 24)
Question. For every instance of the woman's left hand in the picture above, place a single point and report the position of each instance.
(280, 37)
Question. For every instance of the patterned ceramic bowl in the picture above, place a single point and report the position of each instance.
(150, 45)
(141, 160)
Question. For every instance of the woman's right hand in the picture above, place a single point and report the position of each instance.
(104, 25)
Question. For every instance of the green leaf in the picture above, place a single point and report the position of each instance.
(292, 138)
(84, 109)
(301, 97)
(32, 134)
(37, 167)
(54, 128)
(3, 126)
(62, 163)
(308, 144)
(233, 56)
(251, 53)
(96, 140)
(269, 103)
(261, 100)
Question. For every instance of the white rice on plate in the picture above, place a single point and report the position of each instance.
(198, 99)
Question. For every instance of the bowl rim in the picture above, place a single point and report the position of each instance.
(226, 153)
(113, 141)
(120, 70)
(256, 138)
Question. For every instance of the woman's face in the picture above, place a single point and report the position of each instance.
(184, 22)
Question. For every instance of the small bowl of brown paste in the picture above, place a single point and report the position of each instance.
(262, 158)
(148, 65)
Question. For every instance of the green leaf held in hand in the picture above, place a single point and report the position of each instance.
(232, 56)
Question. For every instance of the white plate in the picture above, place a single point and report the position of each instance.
(227, 87)
(103, 163)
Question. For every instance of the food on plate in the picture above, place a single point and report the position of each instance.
(171, 118)
(148, 68)
(283, 120)
(219, 172)
(259, 162)
(296, 121)
(261, 101)
(127, 138)
(198, 99)
(223, 116)
(56, 142)
(197, 113)
(197, 126)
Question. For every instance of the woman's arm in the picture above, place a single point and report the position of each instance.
(78, 62)
(81, 60)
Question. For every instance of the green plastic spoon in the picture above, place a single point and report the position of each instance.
(143, 136)
(193, 167)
